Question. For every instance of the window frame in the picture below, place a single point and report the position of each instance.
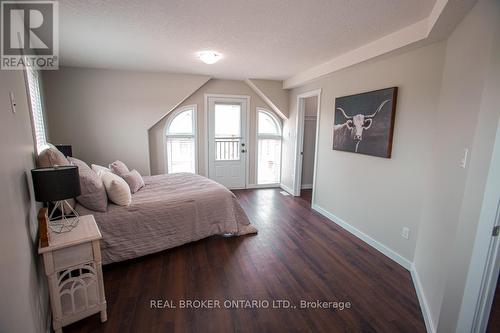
(268, 136)
(193, 136)
(276, 120)
(34, 118)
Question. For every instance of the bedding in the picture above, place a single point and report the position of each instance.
(93, 194)
(134, 180)
(170, 210)
(50, 157)
(98, 168)
(117, 188)
(119, 168)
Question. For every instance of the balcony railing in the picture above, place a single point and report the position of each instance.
(227, 149)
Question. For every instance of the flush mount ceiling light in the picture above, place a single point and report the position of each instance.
(209, 57)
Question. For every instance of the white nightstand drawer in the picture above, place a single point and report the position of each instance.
(72, 256)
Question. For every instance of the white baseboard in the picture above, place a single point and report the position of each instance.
(364, 237)
(263, 185)
(306, 186)
(424, 306)
(286, 188)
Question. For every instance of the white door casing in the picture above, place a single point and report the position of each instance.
(299, 141)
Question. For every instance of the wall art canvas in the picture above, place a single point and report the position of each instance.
(364, 123)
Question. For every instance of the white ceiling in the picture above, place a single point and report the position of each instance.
(272, 39)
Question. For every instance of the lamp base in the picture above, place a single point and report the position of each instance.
(65, 222)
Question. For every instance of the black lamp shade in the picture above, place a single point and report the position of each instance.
(67, 150)
(54, 184)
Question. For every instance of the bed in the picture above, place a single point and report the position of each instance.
(169, 211)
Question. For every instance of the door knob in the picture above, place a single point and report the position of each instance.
(243, 151)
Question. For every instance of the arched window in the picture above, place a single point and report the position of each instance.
(180, 140)
(268, 148)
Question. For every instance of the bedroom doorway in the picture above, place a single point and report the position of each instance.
(309, 145)
(306, 144)
(227, 140)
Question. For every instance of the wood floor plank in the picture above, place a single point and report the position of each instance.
(297, 255)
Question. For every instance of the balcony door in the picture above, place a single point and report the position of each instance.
(227, 141)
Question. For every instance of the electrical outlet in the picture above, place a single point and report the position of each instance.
(405, 233)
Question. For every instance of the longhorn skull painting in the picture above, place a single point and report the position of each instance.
(364, 123)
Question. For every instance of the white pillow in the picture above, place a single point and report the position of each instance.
(117, 189)
(97, 168)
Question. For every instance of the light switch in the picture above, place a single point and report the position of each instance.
(463, 161)
(12, 102)
(405, 233)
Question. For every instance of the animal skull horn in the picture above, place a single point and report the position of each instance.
(379, 108)
(343, 112)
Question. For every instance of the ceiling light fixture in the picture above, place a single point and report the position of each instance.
(209, 57)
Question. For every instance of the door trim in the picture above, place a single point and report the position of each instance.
(299, 141)
(247, 120)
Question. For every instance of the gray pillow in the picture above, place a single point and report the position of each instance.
(134, 180)
(119, 168)
(93, 194)
(50, 157)
(99, 168)
(79, 163)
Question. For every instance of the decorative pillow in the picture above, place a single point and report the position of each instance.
(119, 168)
(79, 163)
(50, 157)
(116, 188)
(93, 194)
(134, 180)
(98, 168)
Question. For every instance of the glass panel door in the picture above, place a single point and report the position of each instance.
(227, 119)
(227, 141)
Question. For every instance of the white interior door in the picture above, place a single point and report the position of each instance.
(227, 141)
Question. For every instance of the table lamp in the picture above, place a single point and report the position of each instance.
(56, 185)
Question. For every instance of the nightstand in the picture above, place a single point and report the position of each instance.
(74, 271)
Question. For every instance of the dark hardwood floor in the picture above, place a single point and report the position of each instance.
(297, 255)
(306, 195)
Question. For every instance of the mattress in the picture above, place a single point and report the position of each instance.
(170, 210)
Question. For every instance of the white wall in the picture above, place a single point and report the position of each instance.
(24, 302)
(273, 90)
(375, 195)
(214, 86)
(467, 116)
(311, 108)
(106, 114)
